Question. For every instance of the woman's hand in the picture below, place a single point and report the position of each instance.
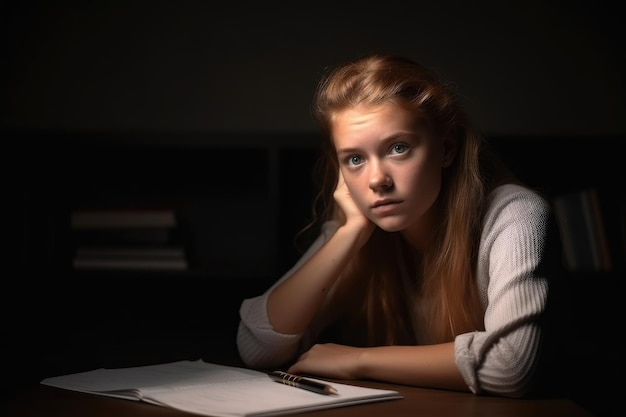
(329, 360)
(351, 213)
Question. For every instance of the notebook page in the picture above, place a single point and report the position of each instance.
(130, 382)
(259, 396)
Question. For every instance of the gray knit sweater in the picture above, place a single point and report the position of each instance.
(499, 360)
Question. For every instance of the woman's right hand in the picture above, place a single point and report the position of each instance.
(352, 215)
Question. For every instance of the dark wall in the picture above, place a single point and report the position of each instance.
(522, 68)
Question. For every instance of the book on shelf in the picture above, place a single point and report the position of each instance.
(171, 258)
(580, 221)
(121, 238)
(209, 389)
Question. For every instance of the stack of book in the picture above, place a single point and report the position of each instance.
(127, 239)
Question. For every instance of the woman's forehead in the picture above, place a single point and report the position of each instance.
(381, 116)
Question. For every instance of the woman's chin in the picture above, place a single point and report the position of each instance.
(390, 224)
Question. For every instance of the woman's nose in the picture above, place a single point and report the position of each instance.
(380, 179)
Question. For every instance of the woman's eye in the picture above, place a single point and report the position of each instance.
(399, 148)
(354, 160)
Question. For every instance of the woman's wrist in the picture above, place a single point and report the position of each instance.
(361, 228)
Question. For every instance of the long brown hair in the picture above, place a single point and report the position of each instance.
(445, 276)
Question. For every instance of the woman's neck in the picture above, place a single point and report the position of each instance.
(420, 234)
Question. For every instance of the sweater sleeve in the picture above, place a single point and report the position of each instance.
(501, 359)
(258, 343)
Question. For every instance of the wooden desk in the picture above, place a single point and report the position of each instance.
(53, 402)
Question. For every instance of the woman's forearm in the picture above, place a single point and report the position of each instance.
(293, 304)
(431, 366)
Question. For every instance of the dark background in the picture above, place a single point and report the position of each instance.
(523, 68)
(205, 107)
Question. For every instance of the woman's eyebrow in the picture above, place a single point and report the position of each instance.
(396, 136)
(383, 142)
(347, 150)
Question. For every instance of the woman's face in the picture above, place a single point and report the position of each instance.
(391, 165)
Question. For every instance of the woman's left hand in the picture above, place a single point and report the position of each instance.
(329, 360)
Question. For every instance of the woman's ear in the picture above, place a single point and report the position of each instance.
(450, 146)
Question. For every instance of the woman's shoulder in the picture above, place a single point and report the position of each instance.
(516, 194)
(514, 203)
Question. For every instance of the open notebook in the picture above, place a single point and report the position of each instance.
(214, 390)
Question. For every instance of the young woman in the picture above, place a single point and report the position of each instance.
(428, 268)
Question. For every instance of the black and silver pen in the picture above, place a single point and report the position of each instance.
(300, 382)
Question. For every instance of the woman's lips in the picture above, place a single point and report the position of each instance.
(385, 206)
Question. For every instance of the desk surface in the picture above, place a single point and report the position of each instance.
(53, 402)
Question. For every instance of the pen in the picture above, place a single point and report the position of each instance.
(300, 382)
